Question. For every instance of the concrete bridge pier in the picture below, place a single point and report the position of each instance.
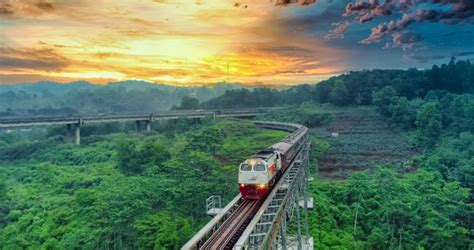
(148, 125)
(143, 124)
(78, 133)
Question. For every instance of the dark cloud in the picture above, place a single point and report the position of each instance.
(20, 9)
(237, 5)
(424, 59)
(366, 11)
(44, 5)
(32, 59)
(382, 30)
(288, 51)
(6, 9)
(428, 58)
(404, 40)
(288, 2)
(309, 23)
(466, 53)
(338, 31)
(413, 11)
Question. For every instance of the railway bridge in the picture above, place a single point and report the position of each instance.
(278, 221)
(74, 123)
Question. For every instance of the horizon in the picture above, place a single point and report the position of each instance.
(278, 43)
(213, 84)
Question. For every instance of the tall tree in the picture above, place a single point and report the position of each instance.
(383, 98)
(429, 124)
(3, 202)
(339, 95)
(401, 112)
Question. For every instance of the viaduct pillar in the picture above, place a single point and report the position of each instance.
(78, 133)
(148, 125)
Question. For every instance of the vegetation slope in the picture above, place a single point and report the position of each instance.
(119, 190)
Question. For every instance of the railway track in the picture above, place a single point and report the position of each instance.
(229, 233)
(225, 231)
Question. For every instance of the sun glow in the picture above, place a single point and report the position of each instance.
(162, 41)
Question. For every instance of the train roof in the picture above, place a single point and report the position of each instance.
(264, 154)
(282, 146)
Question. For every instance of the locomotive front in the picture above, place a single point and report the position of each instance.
(257, 174)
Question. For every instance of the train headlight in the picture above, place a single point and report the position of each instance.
(242, 185)
(262, 186)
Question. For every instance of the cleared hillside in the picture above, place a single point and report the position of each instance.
(359, 139)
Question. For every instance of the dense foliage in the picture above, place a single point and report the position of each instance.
(387, 210)
(119, 190)
(129, 190)
(306, 114)
(358, 87)
(425, 201)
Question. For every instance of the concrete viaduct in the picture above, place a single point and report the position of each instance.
(74, 123)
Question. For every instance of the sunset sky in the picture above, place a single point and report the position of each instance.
(200, 42)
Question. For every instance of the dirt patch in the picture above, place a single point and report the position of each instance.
(360, 139)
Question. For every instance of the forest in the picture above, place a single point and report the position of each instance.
(120, 189)
(358, 87)
(423, 202)
(418, 200)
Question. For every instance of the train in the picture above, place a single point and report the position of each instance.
(259, 173)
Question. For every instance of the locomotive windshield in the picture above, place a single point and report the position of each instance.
(245, 167)
(259, 167)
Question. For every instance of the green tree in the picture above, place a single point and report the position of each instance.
(153, 153)
(164, 230)
(339, 94)
(128, 159)
(3, 202)
(207, 140)
(202, 162)
(401, 112)
(429, 124)
(188, 103)
(384, 210)
(383, 98)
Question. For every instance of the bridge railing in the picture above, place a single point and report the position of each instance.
(271, 212)
(75, 119)
(213, 225)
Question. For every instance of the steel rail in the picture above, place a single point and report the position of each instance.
(205, 239)
(221, 238)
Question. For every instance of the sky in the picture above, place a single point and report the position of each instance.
(201, 42)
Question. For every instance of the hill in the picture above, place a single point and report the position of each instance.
(45, 98)
(358, 87)
(120, 189)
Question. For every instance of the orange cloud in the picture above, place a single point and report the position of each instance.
(160, 41)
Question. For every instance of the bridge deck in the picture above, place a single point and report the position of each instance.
(234, 228)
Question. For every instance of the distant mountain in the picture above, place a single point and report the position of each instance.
(61, 88)
(84, 97)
